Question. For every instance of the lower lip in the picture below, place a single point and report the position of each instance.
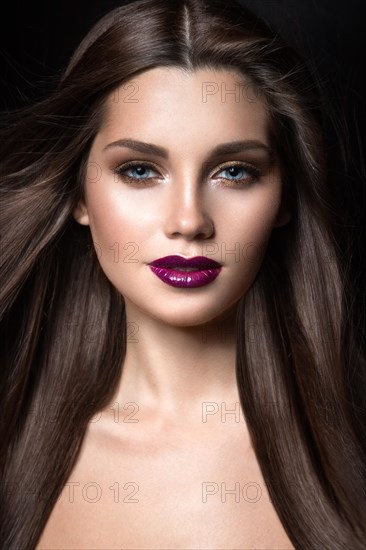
(186, 279)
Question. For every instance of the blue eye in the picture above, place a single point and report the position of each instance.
(250, 173)
(139, 168)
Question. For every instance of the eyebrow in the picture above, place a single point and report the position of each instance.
(222, 149)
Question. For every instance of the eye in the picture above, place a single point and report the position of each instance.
(139, 168)
(239, 172)
(249, 173)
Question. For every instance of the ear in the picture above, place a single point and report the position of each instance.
(80, 214)
(284, 215)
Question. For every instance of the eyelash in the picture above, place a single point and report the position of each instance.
(254, 172)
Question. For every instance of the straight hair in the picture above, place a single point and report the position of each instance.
(299, 367)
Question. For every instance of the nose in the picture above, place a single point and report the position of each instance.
(186, 215)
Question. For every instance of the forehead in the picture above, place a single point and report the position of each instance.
(169, 103)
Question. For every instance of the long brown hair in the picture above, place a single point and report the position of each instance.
(300, 373)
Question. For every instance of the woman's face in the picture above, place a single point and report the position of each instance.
(184, 199)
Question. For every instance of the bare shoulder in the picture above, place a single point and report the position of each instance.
(180, 489)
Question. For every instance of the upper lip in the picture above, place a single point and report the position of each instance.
(174, 261)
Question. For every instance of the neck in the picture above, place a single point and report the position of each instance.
(168, 368)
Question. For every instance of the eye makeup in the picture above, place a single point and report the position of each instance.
(253, 174)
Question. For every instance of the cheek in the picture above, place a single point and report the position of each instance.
(252, 217)
(118, 239)
(116, 221)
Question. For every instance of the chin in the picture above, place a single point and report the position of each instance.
(187, 315)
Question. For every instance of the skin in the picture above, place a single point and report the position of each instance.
(185, 209)
(183, 354)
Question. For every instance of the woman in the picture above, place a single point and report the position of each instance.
(179, 130)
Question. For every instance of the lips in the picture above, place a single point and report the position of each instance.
(199, 262)
(174, 271)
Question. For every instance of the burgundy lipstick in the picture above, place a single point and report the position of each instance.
(185, 272)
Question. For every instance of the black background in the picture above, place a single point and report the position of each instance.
(37, 39)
